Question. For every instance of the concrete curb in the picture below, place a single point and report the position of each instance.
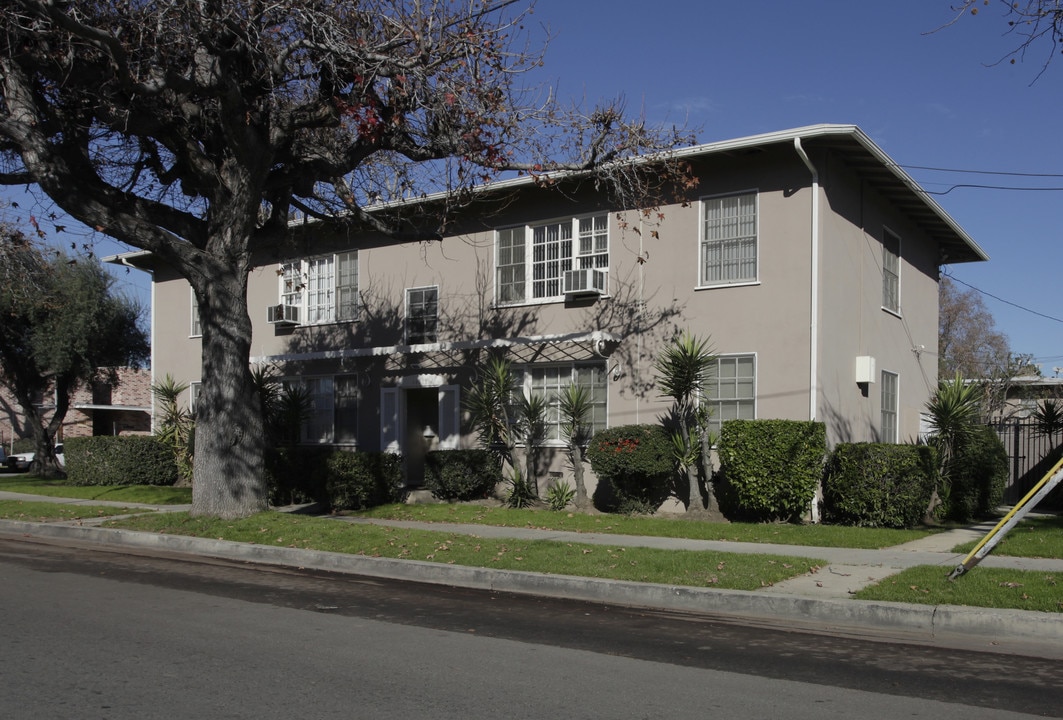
(1020, 631)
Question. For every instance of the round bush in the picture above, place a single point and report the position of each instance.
(879, 485)
(461, 475)
(359, 480)
(769, 469)
(636, 460)
(978, 474)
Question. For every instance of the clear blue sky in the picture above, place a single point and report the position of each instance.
(737, 68)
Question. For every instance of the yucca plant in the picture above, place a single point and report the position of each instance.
(175, 424)
(1048, 418)
(531, 422)
(490, 404)
(574, 404)
(954, 413)
(681, 368)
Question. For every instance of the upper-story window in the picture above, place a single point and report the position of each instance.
(422, 315)
(728, 252)
(531, 260)
(197, 328)
(891, 271)
(323, 288)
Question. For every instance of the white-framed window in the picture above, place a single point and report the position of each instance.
(197, 329)
(730, 390)
(891, 271)
(422, 315)
(332, 415)
(889, 402)
(531, 260)
(324, 288)
(728, 248)
(194, 390)
(550, 380)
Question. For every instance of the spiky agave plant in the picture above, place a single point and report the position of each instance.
(954, 411)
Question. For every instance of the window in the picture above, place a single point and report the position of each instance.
(889, 407)
(197, 329)
(730, 390)
(194, 391)
(555, 248)
(332, 416)
(729, 240)
(422, 315)
(324, 288)
(550, 380)
(891, 272)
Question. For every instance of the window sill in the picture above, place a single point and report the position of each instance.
(720, 286)
(894, 313)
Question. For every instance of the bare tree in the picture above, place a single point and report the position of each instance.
(1034, 23)
(194, 129)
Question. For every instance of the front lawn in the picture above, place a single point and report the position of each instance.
(30, 511)
(148, 494)
(980, 587)
(1034, 537)
(671, 567)
(676, 527)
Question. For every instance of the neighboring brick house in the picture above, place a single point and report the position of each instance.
(808, 256)
(118, 403)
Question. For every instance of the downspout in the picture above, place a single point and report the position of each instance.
(813, 331)
(813, 325)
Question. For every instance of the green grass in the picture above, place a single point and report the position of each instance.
(697, 569)
(30, 511)
(1034, 537)
(678, 527)
(148, 494)
(980, 587)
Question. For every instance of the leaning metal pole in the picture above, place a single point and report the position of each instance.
(1017, 513)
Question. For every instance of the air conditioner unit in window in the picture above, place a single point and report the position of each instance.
(282, 315)
(585, 281)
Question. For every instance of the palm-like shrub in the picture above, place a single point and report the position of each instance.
(681, 368)
(954, 412)
(574, 405)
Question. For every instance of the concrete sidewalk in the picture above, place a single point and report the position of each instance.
(818, 601)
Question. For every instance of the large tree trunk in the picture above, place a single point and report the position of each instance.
(228, 471)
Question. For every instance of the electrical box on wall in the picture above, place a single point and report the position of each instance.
(865, 369)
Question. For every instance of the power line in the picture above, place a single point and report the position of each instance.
(1006, 302)
(982, 172)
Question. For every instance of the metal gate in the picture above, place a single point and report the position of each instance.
(1030, 454)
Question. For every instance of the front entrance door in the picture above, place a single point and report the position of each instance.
(422, 431)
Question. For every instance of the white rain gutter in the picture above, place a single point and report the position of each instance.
(813, 359)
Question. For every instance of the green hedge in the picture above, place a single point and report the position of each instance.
(879, 485)
(296, 475)
(461, 475)
(637, 462)
(119, 460)
(359, 480)
(769, 469)
(978, 474)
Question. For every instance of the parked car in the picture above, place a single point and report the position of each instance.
(3, 457)
(20, 462)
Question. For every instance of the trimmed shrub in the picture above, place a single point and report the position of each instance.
(119, 460)
(879, 485)
(461, 475)
(296, 475)
(977, 476)
(359, 480)
(636, 460)
(769, 469)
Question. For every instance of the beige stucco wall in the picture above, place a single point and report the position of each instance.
(770, 317)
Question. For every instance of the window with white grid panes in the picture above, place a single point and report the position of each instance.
(729, 390)
(534, 271)
(324, 288)
(549, 381)
(891, 272)
(728, 240)
(422, 315)
(889, 403)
